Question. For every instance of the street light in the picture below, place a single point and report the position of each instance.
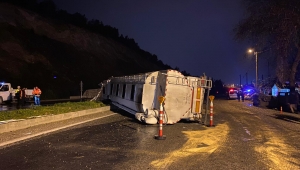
(256, 70)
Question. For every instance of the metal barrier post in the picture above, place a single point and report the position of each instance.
(160, 135)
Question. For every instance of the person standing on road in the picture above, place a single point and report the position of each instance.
(37, 93)
(293, 101)
(23, 96)
(240, 95)
(17, 95)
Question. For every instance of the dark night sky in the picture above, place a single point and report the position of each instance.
(194, 35)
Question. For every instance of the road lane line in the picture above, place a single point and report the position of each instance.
(49, 131)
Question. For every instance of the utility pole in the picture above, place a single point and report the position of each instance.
(247, 78)
(240, 80)
(81, 87)
(256, 70)
(268, 70)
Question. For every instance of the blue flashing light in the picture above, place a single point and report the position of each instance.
(54, 77)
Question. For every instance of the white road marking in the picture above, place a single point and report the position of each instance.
(49, 131)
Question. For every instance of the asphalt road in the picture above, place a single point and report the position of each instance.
(244, 137)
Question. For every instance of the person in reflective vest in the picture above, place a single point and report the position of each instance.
(17, 95)
(37, 94)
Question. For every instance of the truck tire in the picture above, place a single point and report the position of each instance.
(1, 100)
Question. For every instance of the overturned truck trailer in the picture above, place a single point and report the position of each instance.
(139, 95)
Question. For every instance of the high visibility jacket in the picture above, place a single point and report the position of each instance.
(37, 91)
(17, 93)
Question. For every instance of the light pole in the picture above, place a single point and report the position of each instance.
(256, 69)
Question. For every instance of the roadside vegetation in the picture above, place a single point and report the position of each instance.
(49, 110)
(273, 26)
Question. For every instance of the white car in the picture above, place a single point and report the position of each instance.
(232, 93)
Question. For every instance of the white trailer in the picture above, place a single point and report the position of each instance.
(139, 95)
(7, 93)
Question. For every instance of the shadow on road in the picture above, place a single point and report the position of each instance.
(287, 117)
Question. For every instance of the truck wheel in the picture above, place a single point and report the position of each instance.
(1, 100)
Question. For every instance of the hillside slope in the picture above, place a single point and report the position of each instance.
(35, 51)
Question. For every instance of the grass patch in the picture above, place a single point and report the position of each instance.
(49, 110)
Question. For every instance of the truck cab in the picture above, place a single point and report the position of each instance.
(6, 92)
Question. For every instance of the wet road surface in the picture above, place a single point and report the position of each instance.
(244, 137)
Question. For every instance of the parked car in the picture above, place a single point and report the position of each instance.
(232, 93)
(249, 93)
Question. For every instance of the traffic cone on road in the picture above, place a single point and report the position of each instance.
(160, 135)
(211, 124)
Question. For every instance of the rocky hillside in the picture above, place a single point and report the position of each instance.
(35, 51)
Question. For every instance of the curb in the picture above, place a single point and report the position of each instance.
(25, 123)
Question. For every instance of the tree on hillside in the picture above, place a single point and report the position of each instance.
(274, 24)
(79, 20)
(217, 87)
(31, 4)
(48, 8)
